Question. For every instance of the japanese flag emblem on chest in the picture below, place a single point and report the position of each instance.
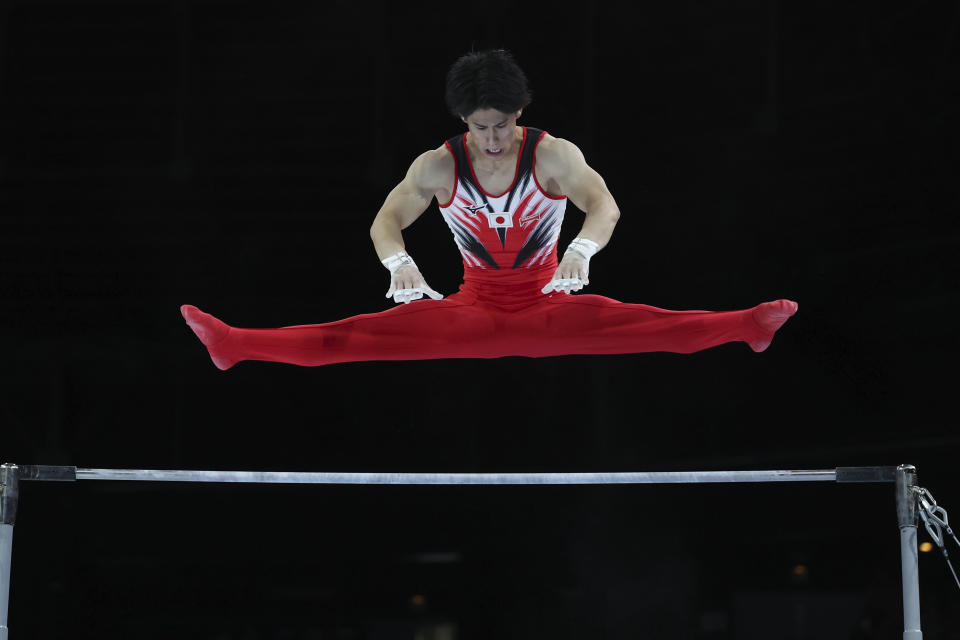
(502, 220)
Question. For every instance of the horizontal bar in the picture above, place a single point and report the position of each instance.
(286, 477)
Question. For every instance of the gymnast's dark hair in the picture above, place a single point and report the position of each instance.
(486, 80)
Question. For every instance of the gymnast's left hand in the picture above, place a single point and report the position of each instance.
(571, 275)
(407, 284)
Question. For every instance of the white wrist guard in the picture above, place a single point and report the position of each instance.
(397, 260)
(583, 246)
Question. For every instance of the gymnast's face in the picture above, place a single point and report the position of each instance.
(493, 133)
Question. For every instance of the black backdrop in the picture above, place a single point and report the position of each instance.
(232, 155)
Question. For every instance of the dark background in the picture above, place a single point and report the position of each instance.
(232, 155)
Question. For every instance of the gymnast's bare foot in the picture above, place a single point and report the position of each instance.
(211, 333)
(769, 317)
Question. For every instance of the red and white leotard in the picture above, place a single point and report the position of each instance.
(510, 237)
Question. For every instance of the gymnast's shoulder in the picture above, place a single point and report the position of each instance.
(433, 169)
(558, 165)
(557, 155)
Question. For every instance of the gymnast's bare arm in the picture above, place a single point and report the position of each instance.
(431, 175)
(563, 171)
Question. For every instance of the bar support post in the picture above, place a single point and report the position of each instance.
(9, 493)
(907, 517)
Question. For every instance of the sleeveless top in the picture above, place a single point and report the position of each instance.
(510, 238)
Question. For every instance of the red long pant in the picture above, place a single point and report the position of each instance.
(481, 321)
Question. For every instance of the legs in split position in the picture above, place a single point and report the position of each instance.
(462, 327)
(420, 330)
(587, 324)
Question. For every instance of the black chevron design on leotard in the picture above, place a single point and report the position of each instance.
(538, 238)
(467, 183)
(468, 242)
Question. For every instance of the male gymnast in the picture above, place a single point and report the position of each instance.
(502, 189)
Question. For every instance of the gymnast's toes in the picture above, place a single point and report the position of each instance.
(769, 317)
(208, 329)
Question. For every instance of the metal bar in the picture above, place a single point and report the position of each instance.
(905, 477)
(9, 494)
(6, 555)
(907, 519)
(285, 477)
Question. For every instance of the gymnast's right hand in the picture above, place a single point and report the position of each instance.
(406, 284)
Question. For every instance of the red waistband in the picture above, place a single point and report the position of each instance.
(507, 287)
(510, 277)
